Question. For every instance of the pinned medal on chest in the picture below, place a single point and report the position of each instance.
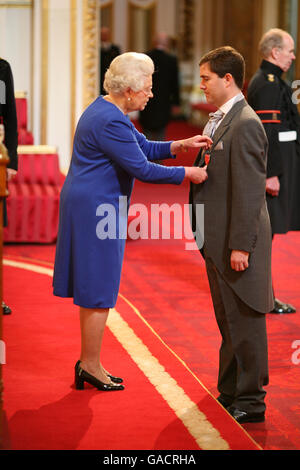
(207, 154)
(207, 157)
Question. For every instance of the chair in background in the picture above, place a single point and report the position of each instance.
(25, 137)
(33, 201)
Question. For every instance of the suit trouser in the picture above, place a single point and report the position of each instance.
(243, 357)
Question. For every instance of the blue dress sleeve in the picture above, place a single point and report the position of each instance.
(119, 142)
(152, 149)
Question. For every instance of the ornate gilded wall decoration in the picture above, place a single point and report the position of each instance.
(90, 33)
(186, 29)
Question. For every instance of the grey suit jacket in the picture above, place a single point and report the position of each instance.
(235, 210)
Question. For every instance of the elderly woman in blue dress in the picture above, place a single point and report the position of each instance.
(108, 154)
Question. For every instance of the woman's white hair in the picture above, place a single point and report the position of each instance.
(128, 70)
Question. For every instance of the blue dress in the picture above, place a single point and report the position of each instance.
(108, 153)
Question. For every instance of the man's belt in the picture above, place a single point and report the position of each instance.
(269, 116)
(272, 116)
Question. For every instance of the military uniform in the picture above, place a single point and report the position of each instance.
(271, 98)
(8, 112)
(8, 117)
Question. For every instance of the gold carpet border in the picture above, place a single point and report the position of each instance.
(28, 267)
(206, 436)
(39, 149)
(137, 312)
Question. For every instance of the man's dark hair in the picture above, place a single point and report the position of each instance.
(226, 60)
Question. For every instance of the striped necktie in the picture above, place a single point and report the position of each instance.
(210, 126)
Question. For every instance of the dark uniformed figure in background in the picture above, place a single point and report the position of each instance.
(166, 100)
(271, 98)
(108, 52)
(8, 117)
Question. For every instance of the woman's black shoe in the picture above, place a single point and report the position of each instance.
(82, 376)
(116, 380)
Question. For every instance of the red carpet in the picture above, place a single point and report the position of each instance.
(43, 409)
(164, 292)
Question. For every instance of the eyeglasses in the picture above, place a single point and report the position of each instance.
(147, 92)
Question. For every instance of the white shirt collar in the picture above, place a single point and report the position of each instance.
(226, 107)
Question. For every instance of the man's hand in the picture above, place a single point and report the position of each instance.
(239, 260)
(10, 173)
(273, 186)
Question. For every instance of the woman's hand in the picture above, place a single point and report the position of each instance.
(196, 141)
(195, 174)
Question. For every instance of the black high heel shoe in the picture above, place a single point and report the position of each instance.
(116, 380)
(82, 376)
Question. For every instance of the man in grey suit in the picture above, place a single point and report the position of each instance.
(237, 234)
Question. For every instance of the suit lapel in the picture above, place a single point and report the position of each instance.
(223, 127)
(227, 120)
(198, 158)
